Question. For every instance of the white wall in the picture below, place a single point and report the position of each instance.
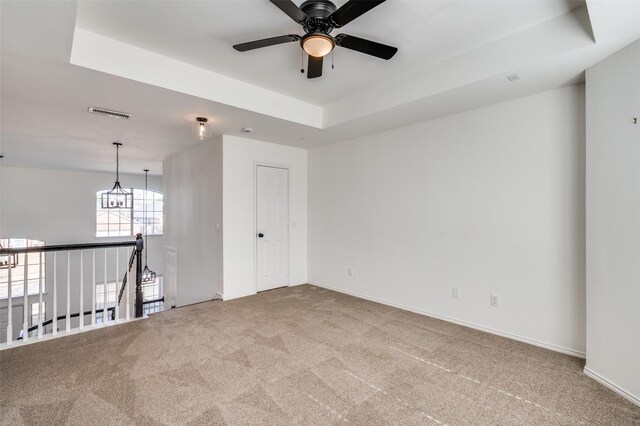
(613, 212)
(59, 207)
(490, 201)
(193, 205)
(240, 157)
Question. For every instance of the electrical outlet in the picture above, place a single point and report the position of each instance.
(350, 271)
(494, 300)
(456, 293)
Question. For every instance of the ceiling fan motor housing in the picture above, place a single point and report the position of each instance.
(318, 11)
(318, 8)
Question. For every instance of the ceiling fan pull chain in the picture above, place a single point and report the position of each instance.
(302, 62)
(332, 67)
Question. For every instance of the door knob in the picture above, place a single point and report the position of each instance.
(260, 235)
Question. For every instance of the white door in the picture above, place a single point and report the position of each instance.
(272, 227)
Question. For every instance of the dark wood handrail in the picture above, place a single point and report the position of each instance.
(65, 247)
(136, 255)
(126, 275)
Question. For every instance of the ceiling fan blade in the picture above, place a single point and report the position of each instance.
(314, 67)
(266, 42)
(290, 8)
(351, 10)
(366, 46)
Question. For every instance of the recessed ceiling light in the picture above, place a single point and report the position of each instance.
(513, 77)
(247, 130)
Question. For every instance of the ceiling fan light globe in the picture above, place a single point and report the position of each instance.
(318, 45)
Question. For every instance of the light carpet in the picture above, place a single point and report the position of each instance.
(299, 355)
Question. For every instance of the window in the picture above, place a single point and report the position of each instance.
(34, 268)
(129, 222)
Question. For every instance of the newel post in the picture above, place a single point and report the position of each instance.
(139, 248)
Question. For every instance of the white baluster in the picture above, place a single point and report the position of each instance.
(93, 296)
(104, 291)
(117, 307)
(128, 286)
(54, 322)
(40, 306)
(9, 305)
(25, 303)
(81, 317)
(68, 322)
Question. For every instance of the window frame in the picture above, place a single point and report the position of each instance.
(133, 215)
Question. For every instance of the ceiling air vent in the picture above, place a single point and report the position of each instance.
(110, 113)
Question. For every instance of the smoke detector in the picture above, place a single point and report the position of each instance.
(109, 113)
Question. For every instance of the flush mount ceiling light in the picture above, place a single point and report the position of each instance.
(202, 130)
(117, 198)
(317, 45)
(148, 276)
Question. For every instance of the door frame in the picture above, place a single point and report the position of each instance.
(257, 164)
(173, 292)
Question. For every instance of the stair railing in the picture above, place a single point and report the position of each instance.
(51, 255)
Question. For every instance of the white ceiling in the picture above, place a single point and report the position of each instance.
(202, 33)
(453, 56)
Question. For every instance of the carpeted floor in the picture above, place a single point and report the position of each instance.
(300, 355)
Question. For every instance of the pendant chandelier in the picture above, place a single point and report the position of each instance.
(117, 198)
(9, 260)
(148, 276)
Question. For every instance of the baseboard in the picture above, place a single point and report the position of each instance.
(617, 389)
(519, 338)
(237, 296)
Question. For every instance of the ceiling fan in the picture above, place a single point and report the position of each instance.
(318, 18)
